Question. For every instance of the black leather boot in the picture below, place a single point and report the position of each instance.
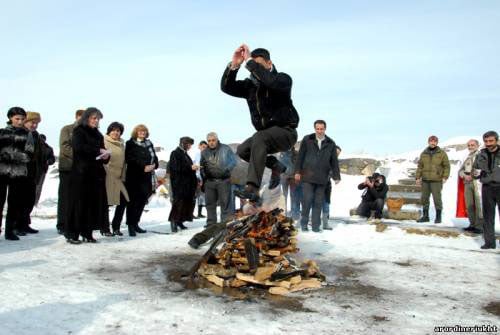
(139, 229)
(438, 216)
(425, 216)
(173, 227)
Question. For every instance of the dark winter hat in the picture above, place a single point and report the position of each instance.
(433, 138)
(186, 140)
(16, 111)
(261, 52)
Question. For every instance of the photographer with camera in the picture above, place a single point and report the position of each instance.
(373, 197)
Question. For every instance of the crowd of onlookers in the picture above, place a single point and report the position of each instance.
(97, 171)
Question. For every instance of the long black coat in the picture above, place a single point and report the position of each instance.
(139, 184)
(317, 165)
(183, 181)
(89, 205)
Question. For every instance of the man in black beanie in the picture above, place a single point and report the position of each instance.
(268, 95)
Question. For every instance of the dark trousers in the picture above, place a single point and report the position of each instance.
(134, 210)
(255, 150)
(63, 199)
(218, 192)
(119, 211)
(313, 196)
(26, 193)
(491, 200)
(14, 208)
(39, 187)
(289, 184)
(365, 208)
(434, 188)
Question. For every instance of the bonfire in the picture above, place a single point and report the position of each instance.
(257, 250)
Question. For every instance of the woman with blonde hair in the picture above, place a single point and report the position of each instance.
(140, 178)
(115, 175)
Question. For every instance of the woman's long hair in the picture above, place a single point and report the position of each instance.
(84, 120)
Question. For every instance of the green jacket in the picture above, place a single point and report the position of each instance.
(65, 148)
(433, 165)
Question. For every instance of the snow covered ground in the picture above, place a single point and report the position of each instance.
(389, 282)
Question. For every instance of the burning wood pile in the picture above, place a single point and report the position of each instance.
(256, 251)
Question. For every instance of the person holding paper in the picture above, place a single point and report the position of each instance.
(88, 203)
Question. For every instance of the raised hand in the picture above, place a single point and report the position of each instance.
(246, 52)
(238, 57)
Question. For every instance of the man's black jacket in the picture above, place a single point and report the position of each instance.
(268, 95)
(374, 193)
(317, 165)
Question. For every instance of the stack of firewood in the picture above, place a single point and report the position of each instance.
(257, 251)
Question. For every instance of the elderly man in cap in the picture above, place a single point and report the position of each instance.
(433, 170)
(268, 95)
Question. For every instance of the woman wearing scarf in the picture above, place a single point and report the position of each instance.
(16, 151)
(140, 178)
(184, 182)
(115, 175)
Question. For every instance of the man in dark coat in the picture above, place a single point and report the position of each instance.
(268, 95)
(65, 164)
(487, 169)
(373, 198)
(183, 180)
(316, 163)
(216, 164)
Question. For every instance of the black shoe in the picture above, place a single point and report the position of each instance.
(173, 227)
(139, 230)
(117, 232)
(425, 216)
(89, 240)
(19, 232)
(193, 244)
(475, 230)
(327, 227)
(201, 216)
(106, 233)
(60, 231)
(304, 229)
(469, 228)
(131, 231)
(11, 236)
(181, 226)
(250, 193)
(73, 241)
(30, 230)
(489, 246)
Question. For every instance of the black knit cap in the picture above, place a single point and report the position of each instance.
(186, 140)
(16, 111)
(261, 52)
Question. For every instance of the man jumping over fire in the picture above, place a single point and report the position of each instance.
(268, 95)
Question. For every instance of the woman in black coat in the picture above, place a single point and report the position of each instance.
(89, 205)
(16, 151)
(140, 180)
(183, 181)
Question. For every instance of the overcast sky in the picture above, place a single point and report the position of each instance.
(383, 74)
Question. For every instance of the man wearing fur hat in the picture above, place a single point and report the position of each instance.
(433, 170)
(268, 95)
(36, 173)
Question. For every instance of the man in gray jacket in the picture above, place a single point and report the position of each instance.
(316, 163)
(487, 169)
(65, 165)
(216, 162)
(471, 189)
